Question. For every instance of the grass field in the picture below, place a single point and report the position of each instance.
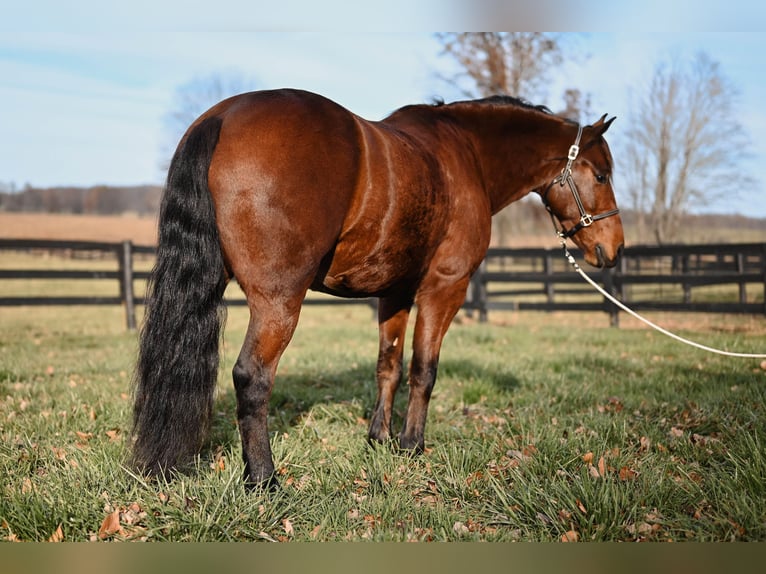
(543, 427)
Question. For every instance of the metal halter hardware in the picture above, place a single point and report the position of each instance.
(565, 177)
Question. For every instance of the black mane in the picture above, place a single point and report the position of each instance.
(500, 100)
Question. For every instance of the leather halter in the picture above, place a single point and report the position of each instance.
(565, 177)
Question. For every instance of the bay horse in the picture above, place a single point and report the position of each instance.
(287, 191)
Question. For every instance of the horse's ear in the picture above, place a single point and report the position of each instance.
(601, 125)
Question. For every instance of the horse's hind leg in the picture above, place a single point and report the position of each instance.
(392, 317)
(272, 324)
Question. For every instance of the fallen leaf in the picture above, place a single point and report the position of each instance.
(587, 458)
(265, 536)
(460, 528)
(581, 506)
(57, 536)
(676, 432)
(315, 531)
(110, 526)
(601, 467)
(430, 500)
(627, 473)
(529, 450)
(570, 536)
(641, 529)
(517, 455)
(288, 526)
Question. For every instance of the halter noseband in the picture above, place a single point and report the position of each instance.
(565, 177)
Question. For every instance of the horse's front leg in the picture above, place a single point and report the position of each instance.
(392, 318)
(436, 309)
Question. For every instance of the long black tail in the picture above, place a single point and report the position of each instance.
(177, 366)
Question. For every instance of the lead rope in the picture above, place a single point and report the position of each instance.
(622, 306)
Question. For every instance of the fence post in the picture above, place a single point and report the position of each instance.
(126, 284)
(608, 278)
(740, 259)
(763, 272)
(479, 291)
(550, 292)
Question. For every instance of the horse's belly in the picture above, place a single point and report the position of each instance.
(362, 272)
(368, 278)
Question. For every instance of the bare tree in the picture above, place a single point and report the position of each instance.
(520, 64)
(685, 145)
(196, 96)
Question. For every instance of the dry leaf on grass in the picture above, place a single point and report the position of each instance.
(645, 443)
(57, 536)
(460, 528)
(110, 526)
(627, 473)
(570, 536)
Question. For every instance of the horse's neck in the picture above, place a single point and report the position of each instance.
(514, 147)
(518, 152)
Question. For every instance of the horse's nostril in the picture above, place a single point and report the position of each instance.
(600, 255)
(603, 259)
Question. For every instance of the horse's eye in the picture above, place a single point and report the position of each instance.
(601, 178)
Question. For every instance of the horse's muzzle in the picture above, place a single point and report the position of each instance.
(604, 260)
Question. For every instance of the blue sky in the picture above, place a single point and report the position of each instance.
(84, 87)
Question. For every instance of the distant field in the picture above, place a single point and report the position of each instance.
(140, 230)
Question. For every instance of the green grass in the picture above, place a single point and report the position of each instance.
(540, 425)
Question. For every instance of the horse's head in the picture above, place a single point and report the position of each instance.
(582, 199)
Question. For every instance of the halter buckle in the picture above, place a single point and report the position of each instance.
(574, 149)
(586, 220)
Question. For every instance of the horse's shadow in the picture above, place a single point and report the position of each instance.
(295, 394)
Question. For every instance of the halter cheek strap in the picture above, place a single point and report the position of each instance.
(565, 177)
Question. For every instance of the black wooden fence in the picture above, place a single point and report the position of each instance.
(715, 278)
(723, 278)
(124, 272)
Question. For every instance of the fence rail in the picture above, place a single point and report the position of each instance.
(721, 278)
(647, 278)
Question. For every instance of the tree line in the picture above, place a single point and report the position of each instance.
(96, 200)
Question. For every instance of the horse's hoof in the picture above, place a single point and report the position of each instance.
(270, 484)
(412, 447)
